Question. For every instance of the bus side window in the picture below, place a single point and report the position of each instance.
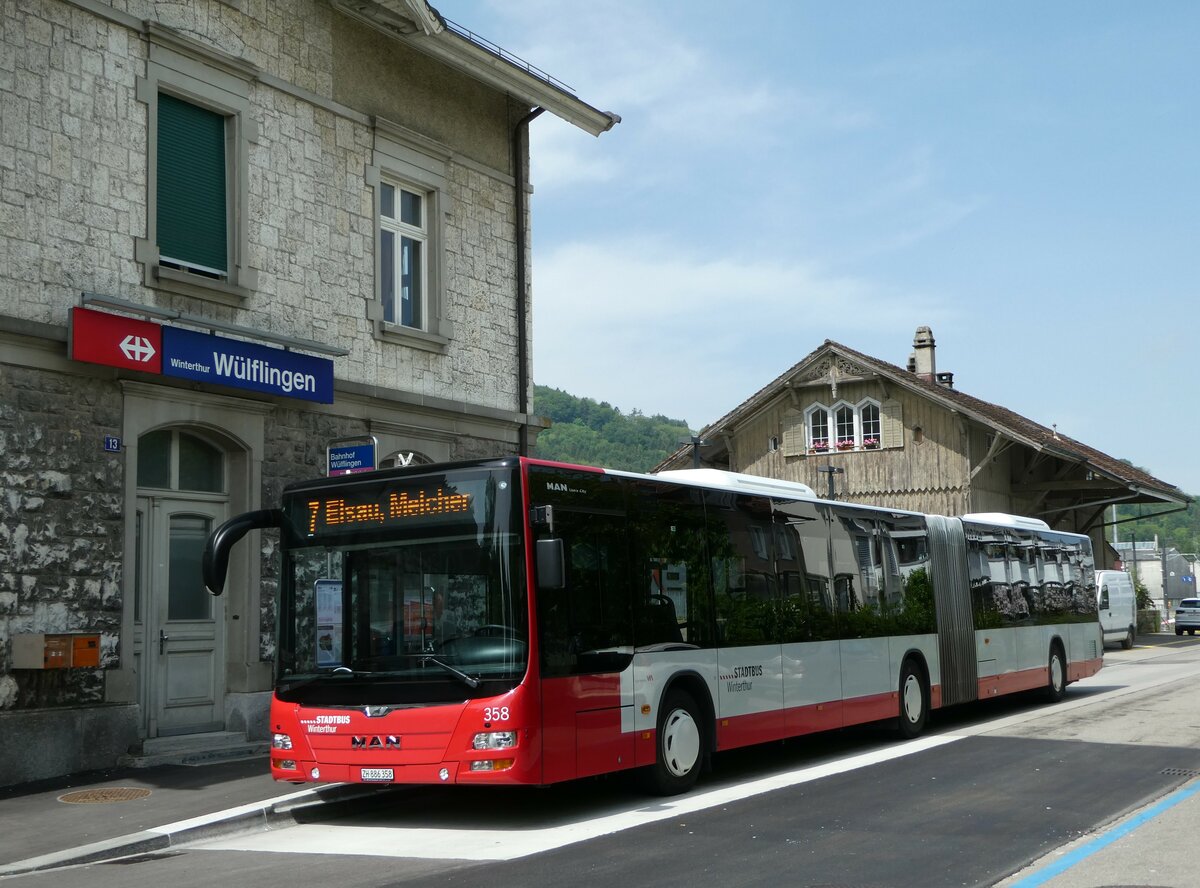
(807, 606)
(672, 598)
(740, 533)
(855, 587)
(655, 620)
(587, 626)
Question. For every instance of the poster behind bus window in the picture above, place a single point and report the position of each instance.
(329, 623)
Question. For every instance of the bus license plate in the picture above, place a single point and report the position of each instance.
(372, 774)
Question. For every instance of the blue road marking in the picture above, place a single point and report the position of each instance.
(1059, 867)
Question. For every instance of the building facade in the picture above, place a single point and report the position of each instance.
(231, 233)
(857, 428)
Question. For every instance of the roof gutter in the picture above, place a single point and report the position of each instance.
(459, 52)
(519, 156)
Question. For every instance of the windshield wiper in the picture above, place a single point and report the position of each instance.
(339, 673)
(461, 676)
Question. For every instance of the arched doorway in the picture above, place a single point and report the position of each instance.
(179, 639)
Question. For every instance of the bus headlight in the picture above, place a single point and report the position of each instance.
(495, 740)
(493, 765)
(281, 741)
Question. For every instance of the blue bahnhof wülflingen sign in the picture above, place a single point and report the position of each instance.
(233, 362)
(351, 455)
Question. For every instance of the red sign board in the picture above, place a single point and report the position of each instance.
(101, 338)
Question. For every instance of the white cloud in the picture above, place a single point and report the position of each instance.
(679, 95)
(645, 323)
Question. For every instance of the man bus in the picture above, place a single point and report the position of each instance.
(516, 621)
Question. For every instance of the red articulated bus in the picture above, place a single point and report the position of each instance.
(517, 621)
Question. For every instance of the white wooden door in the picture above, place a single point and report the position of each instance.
(183, 637)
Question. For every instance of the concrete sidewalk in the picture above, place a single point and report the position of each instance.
(1145, 847)
(114, 813)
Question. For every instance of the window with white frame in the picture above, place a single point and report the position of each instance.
(843, 426)
(408, 177)
(872, 429)
(403, 251)
(817, 423)
(844, 418)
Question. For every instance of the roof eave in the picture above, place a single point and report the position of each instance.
(460, 53)
(419, 25)
(1177, 497)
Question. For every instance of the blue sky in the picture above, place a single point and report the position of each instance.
(1023, 177)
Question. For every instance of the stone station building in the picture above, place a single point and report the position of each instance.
(231, 232)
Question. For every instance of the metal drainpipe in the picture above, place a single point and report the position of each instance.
(519, 157)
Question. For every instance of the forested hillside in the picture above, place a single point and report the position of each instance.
(1180, 530)
(599, 434)
(1176, 529)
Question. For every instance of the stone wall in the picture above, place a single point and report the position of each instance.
(61, 533)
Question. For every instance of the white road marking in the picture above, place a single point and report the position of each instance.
(498, 844)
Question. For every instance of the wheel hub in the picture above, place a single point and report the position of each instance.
(680, 743)
(913, 699)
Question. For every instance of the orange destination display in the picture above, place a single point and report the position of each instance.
(336, 512)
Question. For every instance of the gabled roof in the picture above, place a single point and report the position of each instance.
(1002, 421)
(417, 24)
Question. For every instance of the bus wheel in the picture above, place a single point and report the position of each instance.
(914, 712)
(1127, 641)
(1056, 685)
(679, 745)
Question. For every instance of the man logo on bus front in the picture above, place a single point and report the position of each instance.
(391, 741)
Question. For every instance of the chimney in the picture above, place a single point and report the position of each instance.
(945, 380)
(923, 362)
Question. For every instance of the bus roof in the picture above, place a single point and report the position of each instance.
(1003, 520)
(738, 481)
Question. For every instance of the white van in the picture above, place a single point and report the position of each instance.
(1118, 606)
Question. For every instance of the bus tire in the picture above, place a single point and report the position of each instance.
(1127, 641)
(680, 745)
(1056, 681)
(914, 700)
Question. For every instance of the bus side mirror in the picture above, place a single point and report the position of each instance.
(214, 562)
(551, 571)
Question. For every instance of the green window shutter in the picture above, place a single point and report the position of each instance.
(892, 423)
(191, 186)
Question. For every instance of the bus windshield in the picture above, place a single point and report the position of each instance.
(407, 588)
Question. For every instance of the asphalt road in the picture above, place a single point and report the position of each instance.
(988, 794)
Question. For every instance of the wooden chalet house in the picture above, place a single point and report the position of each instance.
(907, 439)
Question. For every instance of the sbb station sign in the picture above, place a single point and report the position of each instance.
(115, 341)
(100, 338)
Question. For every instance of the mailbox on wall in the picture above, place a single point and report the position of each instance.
(62, 651)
